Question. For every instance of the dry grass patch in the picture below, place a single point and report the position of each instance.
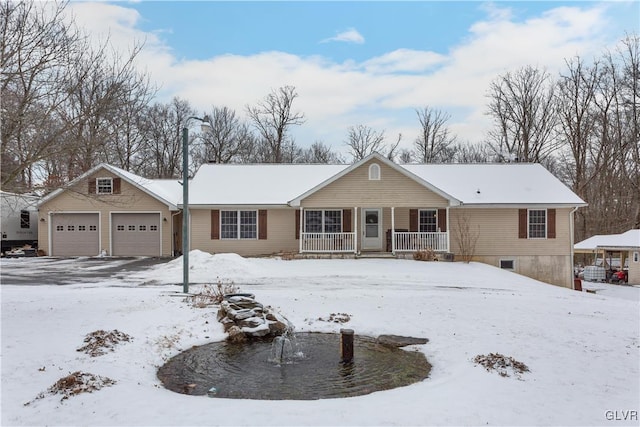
(502, 364)
(99, 342)
(74, 384)
(336, 318)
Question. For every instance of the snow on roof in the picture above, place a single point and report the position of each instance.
(256, 184)
(497, 183)
(472, 184)
(628, 239)
(278, 184)
(167, 190)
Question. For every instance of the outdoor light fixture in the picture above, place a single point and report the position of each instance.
(185, 198)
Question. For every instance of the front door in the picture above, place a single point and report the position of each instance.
(372, 229)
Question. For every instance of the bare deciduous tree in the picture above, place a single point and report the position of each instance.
(433, 145)
(163, 125)
(363, 140)
(273, 118)
(522, 104)
(464, 152)
(466, 236)
(36, 47)
(321, 153)
(405, 156)
(62, 98)
(226, 140)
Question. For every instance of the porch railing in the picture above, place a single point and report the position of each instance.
(416, 241)
(327, 242)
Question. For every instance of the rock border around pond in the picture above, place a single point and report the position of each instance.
(243, 318)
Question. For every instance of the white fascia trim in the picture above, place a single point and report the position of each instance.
(235, 207)
(452, 200)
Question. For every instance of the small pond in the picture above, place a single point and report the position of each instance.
(248, 371)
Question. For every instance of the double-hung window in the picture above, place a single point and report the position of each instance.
(428, 221)
(323, 221)
(537, 223)
(239, 224)
(104, 185)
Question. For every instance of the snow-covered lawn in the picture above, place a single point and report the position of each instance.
(582, 349)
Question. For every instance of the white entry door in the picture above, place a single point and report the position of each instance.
(372, 229)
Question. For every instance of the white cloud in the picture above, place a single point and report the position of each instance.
(382, 91)
(350, 36)
(403, 60)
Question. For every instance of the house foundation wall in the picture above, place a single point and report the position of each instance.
(554, 269)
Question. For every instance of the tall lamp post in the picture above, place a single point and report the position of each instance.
(185, 199)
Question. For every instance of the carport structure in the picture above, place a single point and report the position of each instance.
(624, 246)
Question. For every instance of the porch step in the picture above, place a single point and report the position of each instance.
(376, 255)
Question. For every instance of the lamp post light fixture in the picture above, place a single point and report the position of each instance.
(185, 199)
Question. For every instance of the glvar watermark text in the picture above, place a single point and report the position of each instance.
(622, 415)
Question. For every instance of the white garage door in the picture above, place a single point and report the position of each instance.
(135, 234)
(75, 234)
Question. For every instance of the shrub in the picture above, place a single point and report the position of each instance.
(425, 255)
(212, 294)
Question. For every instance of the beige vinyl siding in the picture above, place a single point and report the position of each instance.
(548, 260)
(498, 230)
(130, 199)
(280, 234)
(355, 189)
(634, 269)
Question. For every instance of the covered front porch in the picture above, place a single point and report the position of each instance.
(360, 230)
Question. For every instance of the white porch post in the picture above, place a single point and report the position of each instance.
(355, 230)
(448, 232)
(301, 229)
(393, 230)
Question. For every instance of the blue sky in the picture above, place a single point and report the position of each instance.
(370, 63)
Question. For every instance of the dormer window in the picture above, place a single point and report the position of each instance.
(104, 185)
(374, 172)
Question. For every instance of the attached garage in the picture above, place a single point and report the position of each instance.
(75, 234)
(110, 211)
(135, 234)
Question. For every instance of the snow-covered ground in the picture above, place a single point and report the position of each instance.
(582, 349)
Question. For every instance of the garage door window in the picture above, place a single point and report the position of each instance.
(71, 228)
(59, 227)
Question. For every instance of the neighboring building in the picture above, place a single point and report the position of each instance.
(623, 247)
(111, 211)
(521, 214)
(19, 226)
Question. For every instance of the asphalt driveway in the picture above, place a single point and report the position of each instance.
(32, 271)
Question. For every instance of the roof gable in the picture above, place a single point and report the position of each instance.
(167, 192)
(361, 163)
